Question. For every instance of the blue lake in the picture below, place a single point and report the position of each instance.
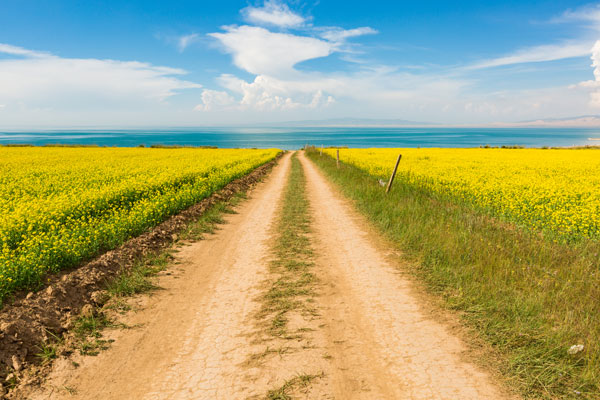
(294, 138)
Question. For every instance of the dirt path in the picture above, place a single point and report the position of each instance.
(387, 346)
(366, 337)
(192, 335)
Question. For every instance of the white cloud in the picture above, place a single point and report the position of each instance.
(19, 51)
(184, 41)
(589, 13)
(542, 53)
(380, 88)
(596, 60)
(278, 85)
(274, 13)
(578, 46)
(266, 93)
(387, 93)
(259, 51)
(319, 99)
(340, 35)
(272, 57)
(593, 86)
(212, 99)
(46, 89)
(443, 95)
(76, 83)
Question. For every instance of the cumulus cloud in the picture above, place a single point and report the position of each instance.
(273, 58)
(596, 60)
(278, 85)
(260, 51)
(267, 93)
(38, 79)
(273, 13)
(593, 85)
(184, 41)
(212, 99)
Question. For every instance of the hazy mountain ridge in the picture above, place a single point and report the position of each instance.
(351, 122)
(583, 121)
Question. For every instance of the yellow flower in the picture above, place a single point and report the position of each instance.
(556, 191)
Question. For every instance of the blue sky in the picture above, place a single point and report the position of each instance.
(157, 63)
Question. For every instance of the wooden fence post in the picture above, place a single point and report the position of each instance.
(389, 185)
(321, 150)
(337, 162)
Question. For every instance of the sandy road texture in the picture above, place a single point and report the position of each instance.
(370, 337)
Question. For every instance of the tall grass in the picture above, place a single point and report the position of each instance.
(530, 298)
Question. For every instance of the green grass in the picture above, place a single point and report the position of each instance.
(138, 278)
(292, 286)
(301, 382)
(530, 298)
(88, 333)
(212, 217)
(49, 349)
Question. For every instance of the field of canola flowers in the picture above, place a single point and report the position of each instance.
(60, 206)
(556, 191)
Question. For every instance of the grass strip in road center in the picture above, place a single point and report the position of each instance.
(287, 305)
(291, 286)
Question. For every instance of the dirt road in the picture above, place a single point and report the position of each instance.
(368, 335)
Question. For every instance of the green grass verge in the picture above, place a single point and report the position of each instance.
(530, 298)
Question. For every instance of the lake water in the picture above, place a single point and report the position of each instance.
(294, 138)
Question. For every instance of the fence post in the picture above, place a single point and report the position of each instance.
(337, 162)
(321, 150)
(389, 185)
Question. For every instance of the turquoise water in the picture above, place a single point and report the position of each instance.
(294, 138)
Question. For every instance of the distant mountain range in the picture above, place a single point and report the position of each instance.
(584, 121)
(350, 122)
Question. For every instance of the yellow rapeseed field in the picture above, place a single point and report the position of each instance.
(60, 206)
(556, 191)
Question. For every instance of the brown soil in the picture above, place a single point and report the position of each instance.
(31, 318)
(368, 335)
